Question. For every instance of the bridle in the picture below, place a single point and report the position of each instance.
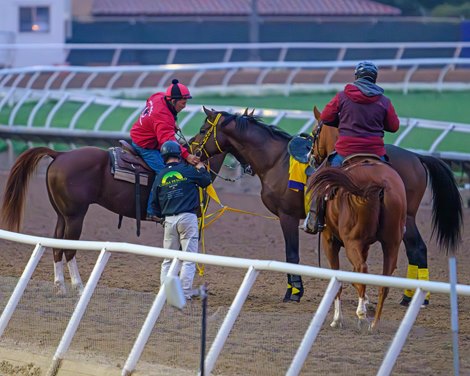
(316, 152)
(200, 148)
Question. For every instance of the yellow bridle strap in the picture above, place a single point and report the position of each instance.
(208, 134)
(216, 120)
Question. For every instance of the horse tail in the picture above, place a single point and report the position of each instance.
(17, 184)
(332, 177)
(447, 217)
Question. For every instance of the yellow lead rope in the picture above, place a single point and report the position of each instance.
(216, 215)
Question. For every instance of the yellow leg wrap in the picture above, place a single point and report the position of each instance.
(412, 273)
(289, 286)
(423, 275)
(295, 291)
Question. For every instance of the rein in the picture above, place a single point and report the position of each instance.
(316, 145)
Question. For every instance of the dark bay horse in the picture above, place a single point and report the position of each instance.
(75, 180)
(366, 203)
(414, 169)
(264, 147)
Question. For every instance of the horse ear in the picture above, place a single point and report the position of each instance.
(316, 112)
(245, 113)
(207, 111)
(252, 113)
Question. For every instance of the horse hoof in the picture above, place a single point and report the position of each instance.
(295, 298)
(336, 324)
(405, 301)
(60, 289)
(78, 288)
(425, 303)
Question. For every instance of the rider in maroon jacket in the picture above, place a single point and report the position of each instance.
(362, 114)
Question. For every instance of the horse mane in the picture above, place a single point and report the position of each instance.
(245, 121)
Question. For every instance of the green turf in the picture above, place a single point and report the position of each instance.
(448, 106)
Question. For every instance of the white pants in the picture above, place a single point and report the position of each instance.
(181, 232)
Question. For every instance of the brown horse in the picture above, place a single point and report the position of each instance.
(366, 203)
(75, 180)
(264, 147)
(414, 169)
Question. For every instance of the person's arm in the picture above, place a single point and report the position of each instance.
(155, 202)
(201, 176)
(165, 131)
(392, 122)
(330, 114)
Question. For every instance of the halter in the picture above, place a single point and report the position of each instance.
(213, 127)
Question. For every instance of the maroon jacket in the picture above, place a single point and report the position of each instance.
(156, 125)
(362, 114)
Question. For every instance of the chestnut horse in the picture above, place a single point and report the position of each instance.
(414, 170)
(264, 147)
(366, 203)
(75, 179)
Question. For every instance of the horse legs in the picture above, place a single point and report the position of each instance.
(331, 248)
(390, 258)
(356, 252)
(67, 228)
(416, 252)
(289, 225)
(59, 281)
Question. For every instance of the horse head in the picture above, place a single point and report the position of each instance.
(211, 139)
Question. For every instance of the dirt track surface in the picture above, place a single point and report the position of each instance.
(265, 338)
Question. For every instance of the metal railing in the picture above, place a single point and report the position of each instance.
(252, 267)
(234, 77)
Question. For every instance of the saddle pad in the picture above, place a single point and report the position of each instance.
(129, 176)
(298, 179)
(299, 147)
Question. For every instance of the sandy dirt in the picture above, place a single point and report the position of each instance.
(268, 332)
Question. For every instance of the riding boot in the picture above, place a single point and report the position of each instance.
(315, 222)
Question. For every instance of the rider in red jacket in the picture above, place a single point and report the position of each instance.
(156, 125)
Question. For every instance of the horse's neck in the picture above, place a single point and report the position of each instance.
(327, 142)
(262, 156)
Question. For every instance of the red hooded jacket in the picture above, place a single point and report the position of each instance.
(155, 125)
(362, 116)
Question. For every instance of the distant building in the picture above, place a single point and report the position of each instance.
(33, 22)
(242, 8)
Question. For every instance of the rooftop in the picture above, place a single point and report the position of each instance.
(242, 8)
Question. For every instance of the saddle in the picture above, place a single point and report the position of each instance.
(126, 164)
(350, 158)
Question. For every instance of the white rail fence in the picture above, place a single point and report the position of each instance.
(252, 267)
(74, 136)
(254, 77)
